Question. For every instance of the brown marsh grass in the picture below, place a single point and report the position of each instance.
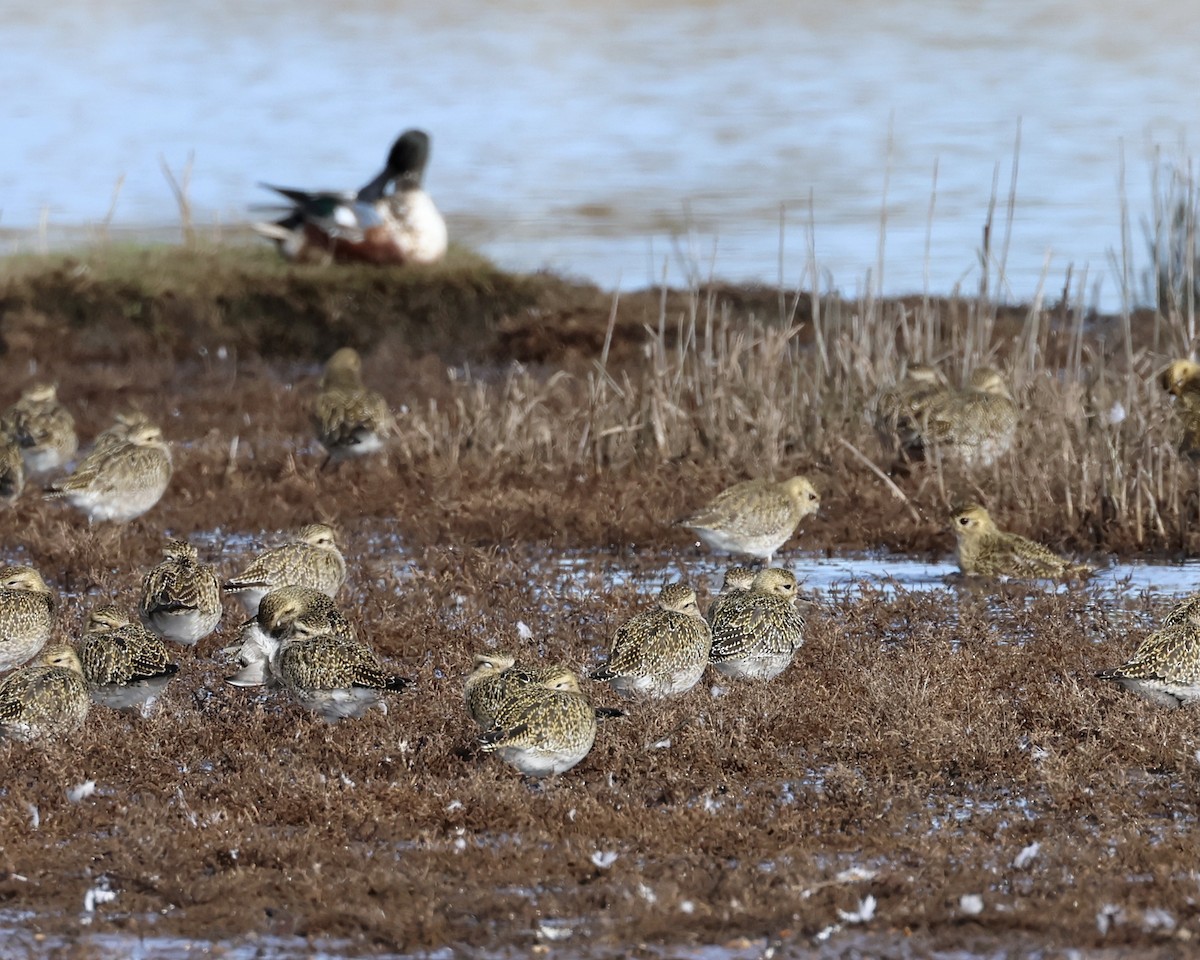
(922, 741)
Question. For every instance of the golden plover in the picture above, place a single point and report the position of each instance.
(985, 550)
(661, 652)
(43, 428)
(12, 470)
(350, 420)
(279, 613)
(737, 580)
(121, 480)
(26, 614)
(543, 731)
(311, 559)
(900, 409)
(123, 426)
(977, 425)
(125, 665)
(496, 678)
(181, 597)
(756, 633)
(1165, 668)
(46, 698)
(1182, 380)
(334, 677)
(755, 517)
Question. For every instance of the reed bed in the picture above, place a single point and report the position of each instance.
(1095, 462)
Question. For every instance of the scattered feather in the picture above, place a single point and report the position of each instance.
(1157, 919)
(1026, 856)
(856, 875)
(554, 930)
(1109, 916)
(604, 859)
(81, 791)
(101, 893)
(971, 904)
(864, 913)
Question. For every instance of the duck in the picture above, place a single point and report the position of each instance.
(389, 221)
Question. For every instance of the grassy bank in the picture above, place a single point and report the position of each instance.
(675, 392)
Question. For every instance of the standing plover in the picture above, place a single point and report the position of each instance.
(125, 665)
(755, 517)
(121, 480)
(311, 559)
(350, 420)
(42, 427)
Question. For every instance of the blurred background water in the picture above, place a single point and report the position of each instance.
(617, 141)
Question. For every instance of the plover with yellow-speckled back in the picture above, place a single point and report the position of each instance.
(497, 677)
(985, 550)
(1182, 380)
(756, 633)
(125, 665)
(900, 408)
(12, 470)
(123, 426)
(43, 428)
(661, 652)
(350, 420)
(977, 425)
(26, 614)
(737, 580)
(542, 731)
(755, 517)
(1165, 668)
(279, 613)
(181, 597)
(44, 699)
(334, 677)
(121, 480)
(310, 559)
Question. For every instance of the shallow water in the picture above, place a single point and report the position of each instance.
(619, 140)
(851, 574)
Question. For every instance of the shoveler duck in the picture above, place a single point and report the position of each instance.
(389, 221)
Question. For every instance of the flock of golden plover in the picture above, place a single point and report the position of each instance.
(535, 716)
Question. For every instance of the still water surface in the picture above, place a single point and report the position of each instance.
(615, 140)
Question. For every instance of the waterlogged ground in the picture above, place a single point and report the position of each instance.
(938, 773)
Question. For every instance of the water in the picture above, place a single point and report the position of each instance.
(850, 574)
(615, 140)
